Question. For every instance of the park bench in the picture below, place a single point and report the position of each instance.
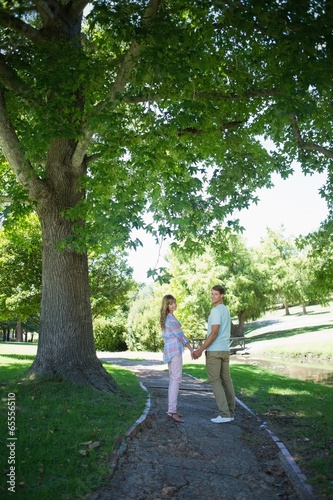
(236, 344)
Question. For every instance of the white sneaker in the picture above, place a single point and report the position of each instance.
(221, 420)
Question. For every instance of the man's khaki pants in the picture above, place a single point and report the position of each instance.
(218, 371)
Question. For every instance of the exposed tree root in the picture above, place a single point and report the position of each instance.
(88, 373)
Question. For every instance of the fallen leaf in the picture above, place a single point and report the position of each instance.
(168, 491)
(93, 445)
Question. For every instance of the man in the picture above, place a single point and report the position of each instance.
(217, 357)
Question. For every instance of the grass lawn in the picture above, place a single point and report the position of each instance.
(65, 434)
(313, 343)
(299, 413)
(300, 337)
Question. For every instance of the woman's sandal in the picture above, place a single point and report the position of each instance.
(177, 413)
(175, 417)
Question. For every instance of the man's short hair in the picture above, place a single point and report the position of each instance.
(219, 288)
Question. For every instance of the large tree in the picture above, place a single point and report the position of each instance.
(151, 105)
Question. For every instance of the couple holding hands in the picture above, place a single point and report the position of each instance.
(217, 353)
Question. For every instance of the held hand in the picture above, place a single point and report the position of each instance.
(196, 354)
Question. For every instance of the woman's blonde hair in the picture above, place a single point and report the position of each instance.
(166, 301)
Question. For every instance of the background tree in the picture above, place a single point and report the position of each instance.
(110, 282)
(226, 261)
(110, 331)
(293, 267)
(319, 250)
(143, 332)
(246, 281)
(301, 271)
(147, 106)
(20, 272)
(278, 253)
(20, 281)
(192, 276)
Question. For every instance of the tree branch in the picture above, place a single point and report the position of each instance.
(9, 21)
(119, 84)
(92, 158)
(224, 127)
(233, 97)
(78, 6)
(11, 80)
(5, 199)
(214, 96)
(151, 11)
(44, 10)
(308, 146)
(14, 154)
(130, 58)
(122, 78)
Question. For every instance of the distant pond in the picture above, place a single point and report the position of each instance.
(320, 375)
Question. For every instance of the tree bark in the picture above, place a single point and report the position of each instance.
(19, 334)
(238, 330)
(241, 322)
(235, 331)
(286, 307)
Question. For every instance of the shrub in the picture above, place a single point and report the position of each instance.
(109, 334)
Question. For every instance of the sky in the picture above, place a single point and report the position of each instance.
(294, 203)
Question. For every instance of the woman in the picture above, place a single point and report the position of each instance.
(174, 342)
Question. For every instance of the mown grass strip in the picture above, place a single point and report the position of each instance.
(65, 434)
(299, 413)
(252, 335)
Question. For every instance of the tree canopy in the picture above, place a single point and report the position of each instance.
(162, 101)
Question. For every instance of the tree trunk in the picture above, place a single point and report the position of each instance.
(304, 308)
(286, 307)
(66, 343)
(19, 334)
(235, 330)
(241, 322)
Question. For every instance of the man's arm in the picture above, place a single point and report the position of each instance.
(209, 340)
